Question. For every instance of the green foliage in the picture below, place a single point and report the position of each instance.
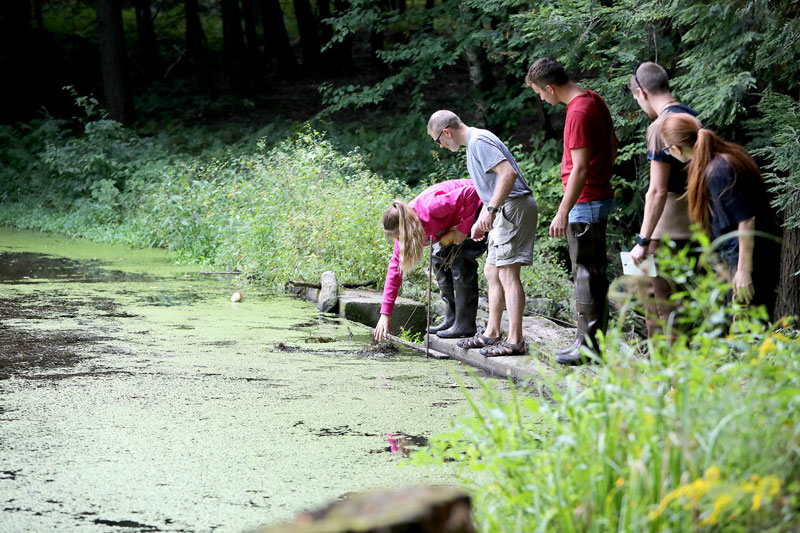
(416, 338)
(781, 147)
(721, 55)
(701, 435)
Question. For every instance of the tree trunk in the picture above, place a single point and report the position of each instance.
(112, 60)
(147, 37)
(344, 49)
(233, 46)
(480, 74)
(253, 55)
(788, 303)
(337, 58)
(309, 42)
(376, 35)
(195, 37)
(196, 45)
(17, 57)
(276, 39)
(37, 11)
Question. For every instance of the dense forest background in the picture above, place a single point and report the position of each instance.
(369, 73)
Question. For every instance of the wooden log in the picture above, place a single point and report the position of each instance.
(306, 284)
(349, 285)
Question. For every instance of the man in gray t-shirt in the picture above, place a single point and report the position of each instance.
(484, 152)
(508, 216)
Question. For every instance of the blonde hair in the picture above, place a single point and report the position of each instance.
(401, 219)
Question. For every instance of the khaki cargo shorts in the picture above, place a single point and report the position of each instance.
(514, 233)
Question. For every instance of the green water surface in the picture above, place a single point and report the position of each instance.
(135, 396)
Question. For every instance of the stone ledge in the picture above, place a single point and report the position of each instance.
(542, 335)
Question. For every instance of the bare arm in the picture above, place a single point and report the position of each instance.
(575, 184)
(743, 279)
(654, 202)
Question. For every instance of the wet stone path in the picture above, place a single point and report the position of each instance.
(135, 396)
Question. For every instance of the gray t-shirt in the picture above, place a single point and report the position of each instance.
(484, 152)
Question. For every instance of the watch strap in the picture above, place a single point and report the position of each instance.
(642, 241)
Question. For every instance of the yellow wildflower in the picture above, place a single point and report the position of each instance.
(712, 473)
(765, 347)
(620, 482)
(757, 498)
(719, 504)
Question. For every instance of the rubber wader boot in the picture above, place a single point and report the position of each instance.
(587, 249)
(444, 277)
(465, 282)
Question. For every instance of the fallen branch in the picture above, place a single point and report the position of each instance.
(312, 285)
(358, 284)
(306, 284)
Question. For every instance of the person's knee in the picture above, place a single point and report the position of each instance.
(509, 275)
(491, 273)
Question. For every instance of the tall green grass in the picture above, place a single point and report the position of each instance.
(702, 436)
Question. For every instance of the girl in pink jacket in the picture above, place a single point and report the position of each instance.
(445, 212)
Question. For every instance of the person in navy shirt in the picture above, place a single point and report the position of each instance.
(727, 193)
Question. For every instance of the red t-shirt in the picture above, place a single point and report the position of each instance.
(589, 125)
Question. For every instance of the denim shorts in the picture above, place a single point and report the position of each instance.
(591, 211)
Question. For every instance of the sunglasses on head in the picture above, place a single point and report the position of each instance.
(636, 78)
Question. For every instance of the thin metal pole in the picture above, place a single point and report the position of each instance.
(428, 320)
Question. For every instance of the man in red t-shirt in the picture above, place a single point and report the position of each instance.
(590, 148)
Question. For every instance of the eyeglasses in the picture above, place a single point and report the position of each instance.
(436, 140)
(636, 78)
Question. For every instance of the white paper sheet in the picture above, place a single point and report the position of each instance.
(645, 268)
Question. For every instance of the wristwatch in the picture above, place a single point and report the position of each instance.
(642, 241)
(492, 210)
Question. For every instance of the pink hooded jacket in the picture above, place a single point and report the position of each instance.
(439, 208)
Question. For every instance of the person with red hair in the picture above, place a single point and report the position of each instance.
(726, 193)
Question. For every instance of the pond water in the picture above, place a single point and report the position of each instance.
(135, 396)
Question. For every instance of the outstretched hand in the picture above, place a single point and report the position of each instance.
(383, 327)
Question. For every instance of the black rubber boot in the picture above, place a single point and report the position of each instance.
(572, 347)
(587, 248)
(465, 282)
(444, 277)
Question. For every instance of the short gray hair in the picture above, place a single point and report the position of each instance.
(443, 119)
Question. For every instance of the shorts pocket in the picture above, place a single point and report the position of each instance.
(503, 251)
(503, 230)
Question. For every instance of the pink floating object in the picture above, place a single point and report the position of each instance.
(236, 296)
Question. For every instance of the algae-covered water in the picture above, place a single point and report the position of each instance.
(135, 396)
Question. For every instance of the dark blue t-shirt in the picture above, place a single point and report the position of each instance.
(734, 199)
